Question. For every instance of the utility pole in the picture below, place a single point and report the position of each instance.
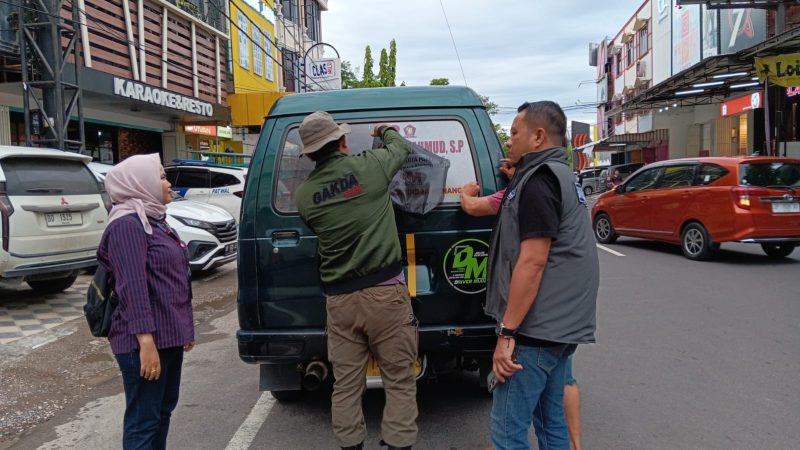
(51, 95)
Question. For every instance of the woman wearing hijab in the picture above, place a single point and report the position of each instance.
(152, 325)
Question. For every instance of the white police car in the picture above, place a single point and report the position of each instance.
(204, 182)
(210, 232)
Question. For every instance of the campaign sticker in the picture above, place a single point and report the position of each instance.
(465, 265)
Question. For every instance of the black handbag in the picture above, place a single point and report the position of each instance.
(101, 302)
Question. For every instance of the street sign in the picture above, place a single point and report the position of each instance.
(324, 74)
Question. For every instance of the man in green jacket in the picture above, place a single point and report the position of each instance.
(345, 201)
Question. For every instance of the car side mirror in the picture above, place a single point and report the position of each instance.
(618, 189)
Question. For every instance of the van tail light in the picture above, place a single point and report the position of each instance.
(6, 209)
(239, 194)
(743, 196)
(106, 198)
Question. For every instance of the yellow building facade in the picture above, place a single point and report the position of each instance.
(253, 65)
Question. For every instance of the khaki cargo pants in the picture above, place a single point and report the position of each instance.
(378, 321)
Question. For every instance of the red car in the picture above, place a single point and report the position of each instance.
(700, 203)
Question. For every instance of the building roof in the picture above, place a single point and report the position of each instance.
(727, 71)
(377, 98)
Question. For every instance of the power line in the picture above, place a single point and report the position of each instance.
(454, 42)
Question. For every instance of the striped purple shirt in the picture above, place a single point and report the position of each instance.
(151, 279)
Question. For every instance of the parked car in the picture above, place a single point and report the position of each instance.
(210, 183)
(702, 202)
(209, 231)
(592, 180)
(625, 170)
(53, 210)
(281, 303)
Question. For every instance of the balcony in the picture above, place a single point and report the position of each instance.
(208, 11)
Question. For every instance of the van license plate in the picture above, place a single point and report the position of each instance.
(374, 371)
(786, 208)
(230, 249)
(63, 219)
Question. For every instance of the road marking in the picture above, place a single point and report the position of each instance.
(249, 428)
(41, 344)
(219, 274)
(613, 252)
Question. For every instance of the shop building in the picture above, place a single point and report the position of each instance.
(704, 96)
(268, 47)
(148, 67)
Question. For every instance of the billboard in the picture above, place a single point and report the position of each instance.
(741, 29)
(685, 37)
(710, 32)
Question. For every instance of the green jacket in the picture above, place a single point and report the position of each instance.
(345, 201)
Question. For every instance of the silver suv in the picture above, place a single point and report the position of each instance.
(592, 180)
(53, 210)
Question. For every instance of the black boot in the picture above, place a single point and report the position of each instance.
(392, 447)
(354, 447)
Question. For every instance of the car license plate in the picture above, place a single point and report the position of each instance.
(63, 219)
(786, 208)
(231, 248)
(374, 371)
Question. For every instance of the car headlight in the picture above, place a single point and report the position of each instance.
(194, 223)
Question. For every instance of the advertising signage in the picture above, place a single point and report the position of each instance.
(741, 29)
(742, 104)
(686, 50)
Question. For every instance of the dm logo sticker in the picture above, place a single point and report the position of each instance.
(465, 265)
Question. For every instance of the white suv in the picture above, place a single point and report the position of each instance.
(209, 231)
(53, 211)
(222, 186)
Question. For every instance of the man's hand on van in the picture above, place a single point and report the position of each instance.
(376, 132)
(471, 189)
(507, 169)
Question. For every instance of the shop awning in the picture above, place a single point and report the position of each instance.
(620, 142)
(250, 109)
(712, 80)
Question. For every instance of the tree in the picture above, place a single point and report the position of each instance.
(440, 82)
(349, 78)
(384, 75)
(387, 70)
(368, 78)
(491, 107)
(392, 62)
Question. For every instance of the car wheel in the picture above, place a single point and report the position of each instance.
(287, 396)
(696, 243)
(778, 250)
(587, 190)
(603, 230)
(52, 286)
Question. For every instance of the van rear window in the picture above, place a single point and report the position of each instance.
(770, 174)
(445, 138)
(48, 176)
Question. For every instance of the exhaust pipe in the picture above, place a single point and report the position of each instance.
(316, 373)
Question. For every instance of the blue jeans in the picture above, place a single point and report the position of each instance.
(568, 378)
(534, 394)
(149, 404)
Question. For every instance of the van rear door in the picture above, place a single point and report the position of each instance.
(57, 207)
(446, 250)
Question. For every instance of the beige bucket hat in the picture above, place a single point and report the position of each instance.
(318, 129)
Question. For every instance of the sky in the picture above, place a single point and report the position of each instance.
(511, 50)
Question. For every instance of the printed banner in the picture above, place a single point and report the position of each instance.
(783, 70)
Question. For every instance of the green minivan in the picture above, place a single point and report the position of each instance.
(281, 304)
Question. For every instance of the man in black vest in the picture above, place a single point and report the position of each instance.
(542, 282)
